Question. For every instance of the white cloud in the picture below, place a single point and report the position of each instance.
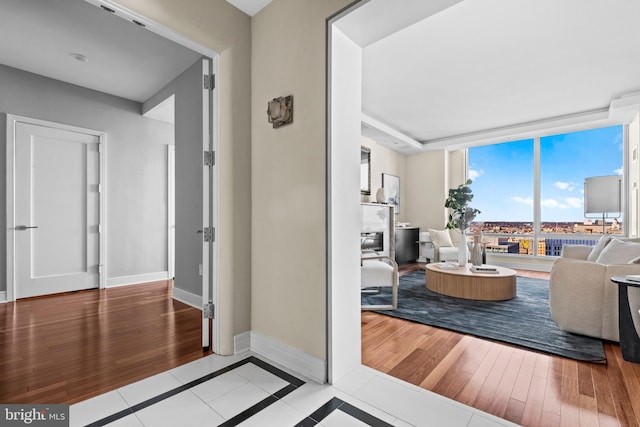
(565, 203)
(550, 203)
(574, 202)
(564, 186)
(473, 174)
(523, 200)
(618, 171)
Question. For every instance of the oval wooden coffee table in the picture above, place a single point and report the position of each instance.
(464, 283)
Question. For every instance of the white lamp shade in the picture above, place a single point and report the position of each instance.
(602, 195)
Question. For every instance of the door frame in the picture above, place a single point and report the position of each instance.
(12, 121)
(212, 288)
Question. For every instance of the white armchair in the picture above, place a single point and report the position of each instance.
(378, 267)
(439, 245)
(379, 271)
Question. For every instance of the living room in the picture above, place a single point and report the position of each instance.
(426, 175)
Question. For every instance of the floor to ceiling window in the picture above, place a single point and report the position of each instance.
(531, 192)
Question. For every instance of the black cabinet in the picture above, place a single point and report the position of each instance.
(406, 244)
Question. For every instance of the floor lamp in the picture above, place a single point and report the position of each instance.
(603, 196)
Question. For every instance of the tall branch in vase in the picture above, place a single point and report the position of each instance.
(461, 216)
(461, 213)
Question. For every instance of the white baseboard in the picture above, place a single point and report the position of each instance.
(298, 361)
(242, 342)
(188, 298)
(3, 296)
(113, 282)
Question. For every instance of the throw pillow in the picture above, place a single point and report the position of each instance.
(599, 247)
(619, 252)
(440, 238)
(455, 235)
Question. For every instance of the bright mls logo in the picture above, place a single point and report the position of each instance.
(34, 415)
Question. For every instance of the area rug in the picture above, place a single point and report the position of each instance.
(523, 321)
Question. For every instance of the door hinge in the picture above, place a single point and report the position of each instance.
(209, 158)
(208, 311)
(209, 81)
(209, 234)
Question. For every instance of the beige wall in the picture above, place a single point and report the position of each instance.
(429, 176)
(223, 28)
(288, 175)
(388, 161)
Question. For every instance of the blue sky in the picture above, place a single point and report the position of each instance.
(502, 174)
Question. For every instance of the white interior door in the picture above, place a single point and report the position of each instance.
(57, 210)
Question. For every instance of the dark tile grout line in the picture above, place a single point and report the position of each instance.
(293, 381)
(339, 404)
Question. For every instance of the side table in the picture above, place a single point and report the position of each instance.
(629, 339)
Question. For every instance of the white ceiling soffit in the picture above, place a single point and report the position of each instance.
(388, 137)
(485, 69)
(250, 7)
(164, 111)
(377, 19)
(122, 58)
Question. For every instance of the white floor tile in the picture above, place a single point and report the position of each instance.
(183, 409)
(96, 408)
(309, 397)
(412, 406)
(481, 421)
(366, 407)
(219, 386)
(128, 421)
(355, 380)
(401, 423)
(278, 414)
(340, 419)
(150, 387)
(263, 379)
(236, 401)
(197, 369)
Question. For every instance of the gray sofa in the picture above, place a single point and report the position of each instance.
(582, 297)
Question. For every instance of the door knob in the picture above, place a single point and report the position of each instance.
(24, 227)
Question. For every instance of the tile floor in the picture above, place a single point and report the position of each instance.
(247, 390)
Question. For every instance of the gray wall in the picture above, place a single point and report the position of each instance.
(187, 88)
(136, 165)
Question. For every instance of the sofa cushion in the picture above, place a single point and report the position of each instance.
(455, 234)
(599, 247)
(619, 252)
(440, 238)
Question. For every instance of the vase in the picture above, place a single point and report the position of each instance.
(462, 249)
(476, 251)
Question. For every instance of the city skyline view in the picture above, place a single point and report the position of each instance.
(503, 175)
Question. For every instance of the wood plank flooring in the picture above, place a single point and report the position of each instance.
(522, 386)
(69, 347)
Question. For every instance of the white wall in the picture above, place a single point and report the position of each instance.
(344, 209)
(136, 165)
(633, 160)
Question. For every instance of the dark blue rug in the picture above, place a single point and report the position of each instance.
(523, 321)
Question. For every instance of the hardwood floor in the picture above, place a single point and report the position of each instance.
(522, 386)
(69, 347)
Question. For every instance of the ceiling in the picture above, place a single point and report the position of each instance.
(250, 7)
(435, 74)
(495, 67)
(122, 58)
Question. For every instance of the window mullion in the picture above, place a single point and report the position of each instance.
(537, 204)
